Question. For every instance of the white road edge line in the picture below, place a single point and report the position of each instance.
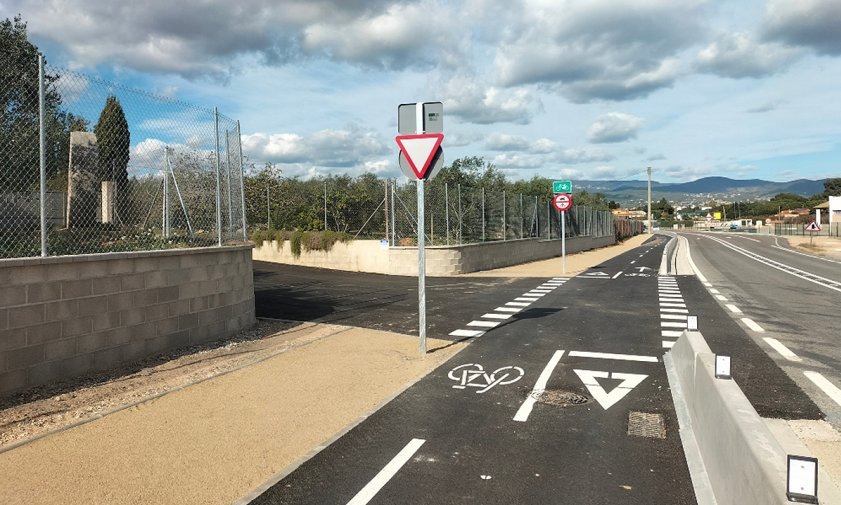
(733, 308)
(381, 479)
(750, 323)
(523, 413)
(784, 351)
(608, 355)
(827, 387)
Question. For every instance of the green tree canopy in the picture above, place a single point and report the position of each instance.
(114, 142)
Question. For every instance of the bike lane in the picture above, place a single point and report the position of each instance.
(590, 351)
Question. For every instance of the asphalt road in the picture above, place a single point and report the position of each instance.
(561, 398)
(790, 298)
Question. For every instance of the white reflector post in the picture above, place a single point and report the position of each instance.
(722, 367)
(692, 323)
(802, 479)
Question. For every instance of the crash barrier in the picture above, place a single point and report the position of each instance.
(744, 461)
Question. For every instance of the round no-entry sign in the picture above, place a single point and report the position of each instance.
(562, 201)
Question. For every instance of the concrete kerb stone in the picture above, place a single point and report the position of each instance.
(743, 460)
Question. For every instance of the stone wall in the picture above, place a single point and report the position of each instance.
(374, 257)
(66, 316)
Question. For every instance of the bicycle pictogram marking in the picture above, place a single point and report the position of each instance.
(473, 375)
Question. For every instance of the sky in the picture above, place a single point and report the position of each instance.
(564, 89)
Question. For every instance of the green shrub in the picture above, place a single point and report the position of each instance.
(295, 243)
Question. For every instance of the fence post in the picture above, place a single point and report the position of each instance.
(242, 184)
(522, 216)
(483, 213)
(218, 182)
(504, 235)
(268, 210)
(447, 208)
(549, 220)
(393, 214)
(460, 215)
(325, 205)
(42, 147)
(536, 218)
(228, 159)
(385, 208)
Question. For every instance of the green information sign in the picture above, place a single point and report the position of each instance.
(562, 187)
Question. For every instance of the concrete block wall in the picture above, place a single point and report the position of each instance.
(370, 256)
(66, 316)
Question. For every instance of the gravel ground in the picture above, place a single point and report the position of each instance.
(42, 410)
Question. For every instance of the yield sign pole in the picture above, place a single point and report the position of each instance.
(420, 150)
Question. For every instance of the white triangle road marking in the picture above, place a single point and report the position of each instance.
(605, 399)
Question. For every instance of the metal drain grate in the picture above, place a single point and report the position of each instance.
(561, 398)
(644, 424)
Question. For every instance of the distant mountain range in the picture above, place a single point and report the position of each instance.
(722, 189)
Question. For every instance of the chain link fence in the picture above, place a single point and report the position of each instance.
(90, 166)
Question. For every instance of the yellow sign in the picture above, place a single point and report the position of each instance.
(717, 215)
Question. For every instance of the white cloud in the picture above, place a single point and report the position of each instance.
(810, 23)
(738, 55)
(614, 127)
(351, 148)
(466, 98)
(599, 49)
(505, 142)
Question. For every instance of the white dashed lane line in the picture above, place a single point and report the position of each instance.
(784, 351)
(827, 387)
(750, 323)
(732, 308)
(495, 318)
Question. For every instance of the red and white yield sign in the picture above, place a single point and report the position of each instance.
(562, 201)
(419, 150)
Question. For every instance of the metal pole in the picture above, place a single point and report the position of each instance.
(447, 208)
(522, 216)
(536, 218)
(228, 159)
(421, 251)
(385, 207)
(218, 182)
(242, 184)
(268, 210)
(42, 148)
(549, 220)
(325, 205)
(483, 213)
(504, 235)
(563, 242)
(649, 200)
(165, 200)
(460, 215)
(393, 217)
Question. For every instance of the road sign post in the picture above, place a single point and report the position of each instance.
(811, 228)
(563, 202)
(422, 153)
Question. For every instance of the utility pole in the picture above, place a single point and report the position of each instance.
(649, 200)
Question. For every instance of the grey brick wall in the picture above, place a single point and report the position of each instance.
(61, 317)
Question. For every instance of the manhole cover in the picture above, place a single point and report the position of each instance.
(644, 424)
(562, 398)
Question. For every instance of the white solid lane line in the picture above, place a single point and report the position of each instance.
(466, 333)
(539, 387)
(784, 351)
(827, 387)
(382, 478)
(750, 323)
(733, 308)
(497, 316)
(608, 355)
(483, 324)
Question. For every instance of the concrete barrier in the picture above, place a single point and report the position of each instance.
(370, 256)
(745, 462)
